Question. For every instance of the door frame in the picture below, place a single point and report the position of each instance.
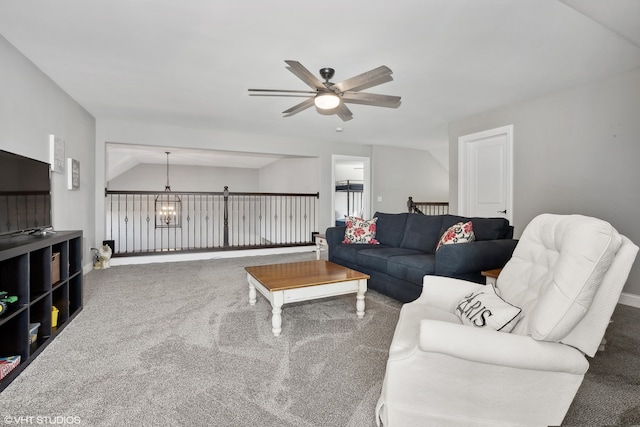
(464, 145)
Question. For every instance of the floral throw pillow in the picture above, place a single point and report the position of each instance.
(461, 232)
(360, 231)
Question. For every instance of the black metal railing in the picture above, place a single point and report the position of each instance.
(428, 208)
(208, 221)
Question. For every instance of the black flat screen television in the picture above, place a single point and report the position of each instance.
(25, 194)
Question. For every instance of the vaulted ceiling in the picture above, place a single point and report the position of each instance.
(191, 62)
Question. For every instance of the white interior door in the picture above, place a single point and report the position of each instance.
(485, 176)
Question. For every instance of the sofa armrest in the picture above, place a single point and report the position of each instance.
(335, 235)
(463, 258)
(445, 293)
(499, 348)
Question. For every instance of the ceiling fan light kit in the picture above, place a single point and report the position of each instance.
(326, 100)
(331, 98)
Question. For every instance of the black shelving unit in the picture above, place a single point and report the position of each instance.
(26, 271)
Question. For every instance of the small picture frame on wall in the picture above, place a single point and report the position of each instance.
(73, 174)
(56, 153)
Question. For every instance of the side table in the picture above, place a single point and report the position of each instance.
(491, 275)
(321, 244)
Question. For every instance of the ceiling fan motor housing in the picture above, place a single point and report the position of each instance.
(327, 73)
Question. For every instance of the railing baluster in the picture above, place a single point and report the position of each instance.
(428, 208)
(119, 223)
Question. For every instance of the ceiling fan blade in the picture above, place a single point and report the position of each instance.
(343, 112)
(305, 75)
(363, 79)
(375, 82)
(281, 90)
(279, 95)
(374, 99)
(299, 107)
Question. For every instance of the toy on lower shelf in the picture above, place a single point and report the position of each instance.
(54, 316)
(7, 364)
(33, 332)
(5, 300)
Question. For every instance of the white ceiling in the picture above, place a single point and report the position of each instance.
(192, 61)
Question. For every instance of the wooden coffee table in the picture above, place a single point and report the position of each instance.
(302, 281)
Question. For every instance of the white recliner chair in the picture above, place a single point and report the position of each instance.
(453, 361)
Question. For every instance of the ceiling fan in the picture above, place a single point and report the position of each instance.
(330, 98)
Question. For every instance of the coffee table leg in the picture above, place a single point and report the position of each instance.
(276, 313)
(252, 294)
(362, 288)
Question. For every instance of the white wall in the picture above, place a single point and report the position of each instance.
(575, 151)
(147, 177)
(293, 175)
(399, 173)
(297, 175)
(32, 106)
(349, 170)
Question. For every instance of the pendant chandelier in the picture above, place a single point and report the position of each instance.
(168, 206)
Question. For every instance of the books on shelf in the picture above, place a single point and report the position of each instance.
(7, 364)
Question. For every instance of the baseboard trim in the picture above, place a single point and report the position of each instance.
(208, 255)
(87, 268)
(632, 300)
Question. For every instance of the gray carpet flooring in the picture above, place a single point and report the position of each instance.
(178, 344)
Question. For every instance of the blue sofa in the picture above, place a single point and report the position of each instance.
(406, 252)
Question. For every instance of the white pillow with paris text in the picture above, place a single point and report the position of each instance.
(487, 310)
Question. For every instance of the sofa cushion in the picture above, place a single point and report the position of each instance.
(412, 268)
(486, 309)
(360, 231)
(461, 232)
(348, 253)
(376, 259)
(390, 228)
(422, 232)
(483, 228)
